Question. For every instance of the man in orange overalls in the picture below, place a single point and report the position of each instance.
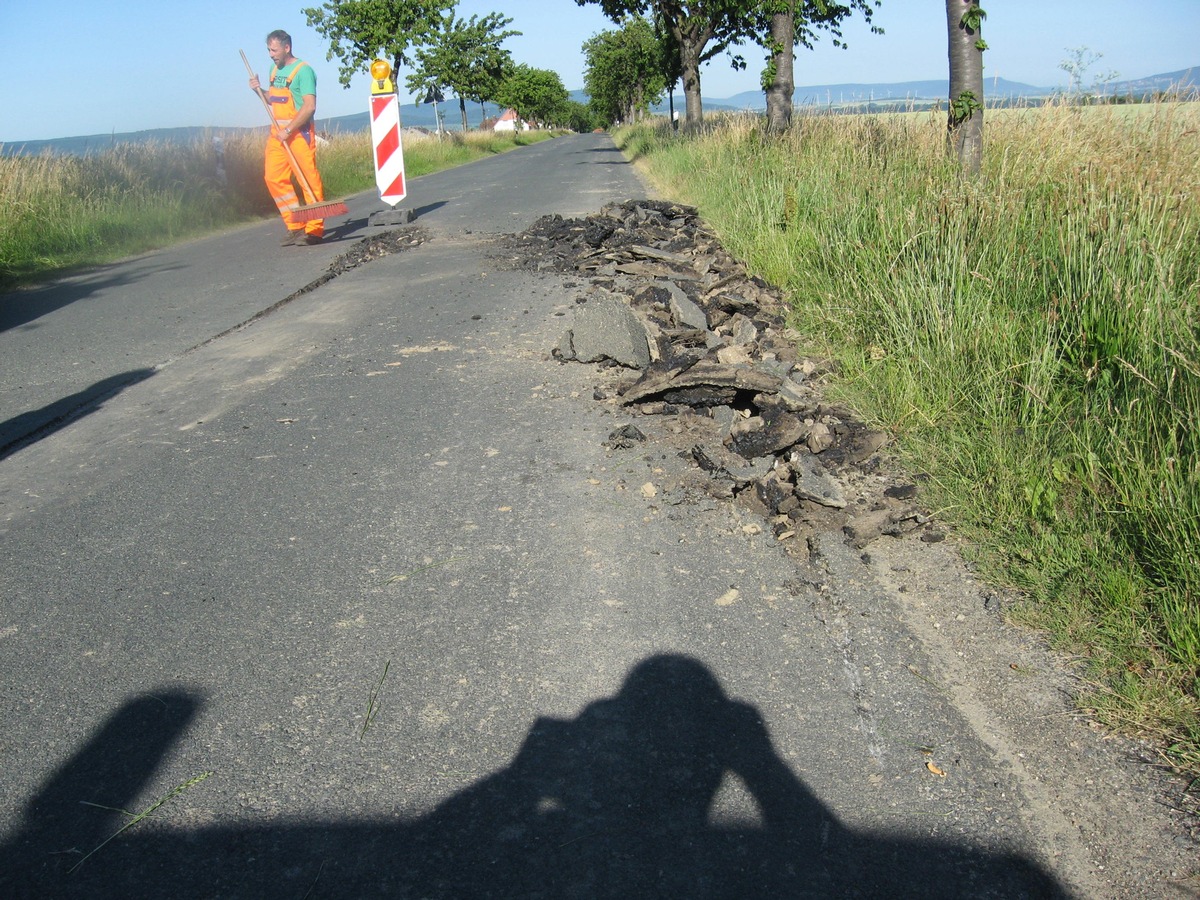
(293, 99)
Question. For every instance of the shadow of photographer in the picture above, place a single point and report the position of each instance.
(617, 802)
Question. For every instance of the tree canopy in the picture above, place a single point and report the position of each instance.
(359, 31)
(464, 57)
(537, 95)
(701, 29)
(625, 71)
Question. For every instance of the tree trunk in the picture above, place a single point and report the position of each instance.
(783, 56)
(964, 126)
(462, 108)
(689, 62)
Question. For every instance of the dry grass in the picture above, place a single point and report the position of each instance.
(1032, 338)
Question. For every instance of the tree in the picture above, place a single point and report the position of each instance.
(465, 57)
(579, 117)
(360, 31)
(624, 72)
(786, 23)
(779, 80)
(701, 29)
(1077, 65)
(964, 125)
(492, 65)
(671, 65)
(537, 95)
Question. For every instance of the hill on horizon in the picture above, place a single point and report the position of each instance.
(410, 116)
(994, 89)
(831, 95)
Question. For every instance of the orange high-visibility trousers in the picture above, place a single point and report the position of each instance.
(277, 167)
(277, 173)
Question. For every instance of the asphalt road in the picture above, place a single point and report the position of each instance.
(357, 591)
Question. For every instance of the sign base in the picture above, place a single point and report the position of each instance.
(391, 217)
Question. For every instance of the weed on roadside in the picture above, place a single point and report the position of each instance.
(147, 812)
(373, 702)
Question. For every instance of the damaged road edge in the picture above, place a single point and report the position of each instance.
(660, 296)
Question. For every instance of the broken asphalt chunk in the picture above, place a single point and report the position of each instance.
(624, 437)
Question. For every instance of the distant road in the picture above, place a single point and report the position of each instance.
(69, 342)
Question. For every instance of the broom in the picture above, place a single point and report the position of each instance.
(323, 210)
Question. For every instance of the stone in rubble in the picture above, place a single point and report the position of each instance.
(596, 233)
(624, 437)
(686, 313)
(741, 330)
(814, 484)
(796, 397)
(778, 432)
(820, 438)
(773, 491)
(720, 463)
(733, 356)
(868, 527)
(606, 328)
(677, 259)
(705, 372)
(856, 443)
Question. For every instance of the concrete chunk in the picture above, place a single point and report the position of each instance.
(606, 328)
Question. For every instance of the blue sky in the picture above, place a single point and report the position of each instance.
(72, 67)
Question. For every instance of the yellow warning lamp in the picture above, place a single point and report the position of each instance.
(381, 78)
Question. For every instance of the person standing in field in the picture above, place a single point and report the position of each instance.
(292, 94)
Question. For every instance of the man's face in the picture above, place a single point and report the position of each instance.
(279, 52)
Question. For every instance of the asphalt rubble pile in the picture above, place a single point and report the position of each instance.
(376, 247)
(710, 352)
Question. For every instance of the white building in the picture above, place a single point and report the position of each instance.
(508, 122)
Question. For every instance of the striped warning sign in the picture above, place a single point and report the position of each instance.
(389, 154)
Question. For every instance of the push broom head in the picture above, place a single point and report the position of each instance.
(325, 210)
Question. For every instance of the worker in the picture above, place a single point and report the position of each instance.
(293, 100)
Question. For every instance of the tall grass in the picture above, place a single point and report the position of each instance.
(1032, 337)
(63, 212)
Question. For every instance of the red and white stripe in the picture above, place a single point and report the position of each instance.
(389, 155)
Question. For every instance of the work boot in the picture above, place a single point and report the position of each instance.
(312, 239)
(295, 236)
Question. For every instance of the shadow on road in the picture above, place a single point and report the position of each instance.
(28, 427)
(428, 208)
(22, 307)
(614, 803)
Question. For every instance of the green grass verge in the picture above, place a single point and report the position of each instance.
(1032, 338)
